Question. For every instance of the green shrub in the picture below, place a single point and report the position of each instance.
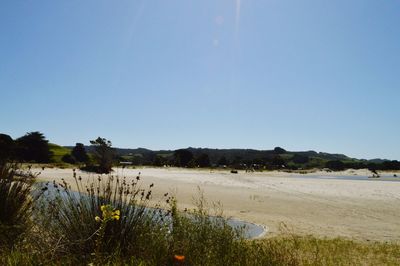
(103, 154)
(68, 158)
(15, 204)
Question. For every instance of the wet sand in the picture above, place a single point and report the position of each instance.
(317, 204)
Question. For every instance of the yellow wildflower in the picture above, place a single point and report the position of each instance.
(108, 213)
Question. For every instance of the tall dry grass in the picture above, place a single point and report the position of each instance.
(67, 218)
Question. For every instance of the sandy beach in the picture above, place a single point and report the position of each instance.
(319, 203)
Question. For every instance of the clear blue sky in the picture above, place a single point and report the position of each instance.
(166, 74)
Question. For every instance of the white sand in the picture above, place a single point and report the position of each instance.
(359, 209)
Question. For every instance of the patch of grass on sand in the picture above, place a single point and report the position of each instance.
(309, 250)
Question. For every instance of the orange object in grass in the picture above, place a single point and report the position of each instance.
(179, 258)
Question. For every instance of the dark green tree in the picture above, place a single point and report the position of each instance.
(278, 162)
(390, 165)
(237, 162)
(223, 161)
(33, 147)
(103, 154)
(279, 150)
(203, 160)
(79, 153)
(6, 147)
(335, 165)
(183, 157)
(160, 160)
(68, 158)
(137, 159)
(300, 159)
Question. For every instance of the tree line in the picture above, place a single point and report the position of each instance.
(276, 159)
(100, 156)
(33, 147)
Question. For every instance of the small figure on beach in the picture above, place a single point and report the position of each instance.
(374, 174)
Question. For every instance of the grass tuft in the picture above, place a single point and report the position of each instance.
(71, 218)
(15, 204)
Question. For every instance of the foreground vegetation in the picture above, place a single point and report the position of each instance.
(293, 250)
(108, 221)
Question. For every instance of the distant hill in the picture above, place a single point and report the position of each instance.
(377, 160)
(58, 152)
(230, 154)
(269, 159)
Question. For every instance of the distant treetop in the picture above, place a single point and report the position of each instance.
(33, 147)
(279, 150)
